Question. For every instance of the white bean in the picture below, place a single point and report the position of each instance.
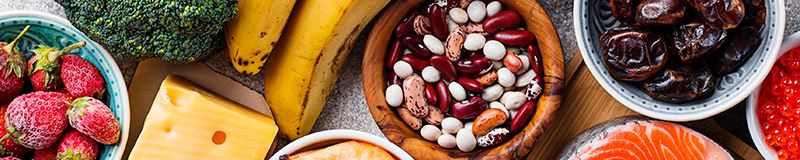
(500, 106)
(430, 132)
(457, 91)
(447, 140)
(465, 140)
(492, 92)
(525, 79)
(497, 64)
(513, 100)
(516, 50)
(451, 25)
(451, 125)
(403, 69)
(474, 42)
(505, 77)
(434, 44)
(494, 50)
(476, 11)
(493, 7)
(459, 15)
(394, 95)
(430, 74)
(526, 63)
(468, 125)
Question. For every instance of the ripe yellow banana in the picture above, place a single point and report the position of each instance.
(252, 33)
(306, 62)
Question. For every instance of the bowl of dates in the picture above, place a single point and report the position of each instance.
(679, 60)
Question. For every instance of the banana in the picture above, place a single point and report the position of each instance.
(252, 33)
(307, 60)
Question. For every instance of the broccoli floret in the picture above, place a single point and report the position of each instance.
(179, 31)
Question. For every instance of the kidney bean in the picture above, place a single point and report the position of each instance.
(474, 54)
(414, 96)
(469, 109)
(414, 43)
(431, 95)
(444, 66)
(503, 19)
(406, 26)
(416, 63)
(523, 116)
(445, 99)
(488, 78)
(533, 89)
(535, 58)
(470, 84)
(495, 137)
(512, 62)
(392, 78)
(394, 52)
(474, 67)
(487, 120)
(514, 37)
(453, 43)
(438, 22)
(426, 10)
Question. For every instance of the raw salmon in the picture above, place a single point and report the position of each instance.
(635, 137)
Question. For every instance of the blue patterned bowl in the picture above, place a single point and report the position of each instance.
(58, 32)
(593, 17)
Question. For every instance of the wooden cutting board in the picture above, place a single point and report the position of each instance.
(586, 104)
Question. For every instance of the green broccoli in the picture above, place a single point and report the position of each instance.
(179, 31)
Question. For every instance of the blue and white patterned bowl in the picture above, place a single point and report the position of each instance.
(58, 32)
(593, 17)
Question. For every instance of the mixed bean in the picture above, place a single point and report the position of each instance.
(464, 73)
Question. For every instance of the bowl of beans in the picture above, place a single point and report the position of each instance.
(458, 79)
(773, 116)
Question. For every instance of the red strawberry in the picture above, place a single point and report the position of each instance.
(81, 78)
(93, 118)
(44, 68)
(75, 145)
(11, 158)
(9, 147)
(36, 120)
(48, 153)
(12, 67)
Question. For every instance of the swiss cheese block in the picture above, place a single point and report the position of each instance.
(188, 122)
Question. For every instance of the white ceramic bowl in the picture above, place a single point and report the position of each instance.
(593, 17)
(753, 124)
(330, 137)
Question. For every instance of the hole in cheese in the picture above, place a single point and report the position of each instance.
(218, 137)
(177, 98)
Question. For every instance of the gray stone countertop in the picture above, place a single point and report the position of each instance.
(346, 106)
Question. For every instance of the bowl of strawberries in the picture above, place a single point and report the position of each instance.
(63, 95)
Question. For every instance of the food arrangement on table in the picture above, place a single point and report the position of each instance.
(443, 79)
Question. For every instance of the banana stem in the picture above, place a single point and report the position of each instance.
(11, 45)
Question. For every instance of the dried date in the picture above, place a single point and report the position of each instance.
(624, 10)
(740, 46)
(680, 82)
(719, 13)
(633, 52)
(660, 12)
(695, 40)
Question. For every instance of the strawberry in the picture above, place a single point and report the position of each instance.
(12, 67)
(36, 120)
(75, 145)
(48, 153)
(93, 118)
(81, 78)
(44, 68)
(11, 158)
(9, 147)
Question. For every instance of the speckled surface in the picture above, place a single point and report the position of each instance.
(346, 107)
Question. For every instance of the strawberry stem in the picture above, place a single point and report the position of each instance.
(9, 48)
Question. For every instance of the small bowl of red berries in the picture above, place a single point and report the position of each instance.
(773, 113)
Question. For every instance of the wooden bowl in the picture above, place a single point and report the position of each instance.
(374, 81)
